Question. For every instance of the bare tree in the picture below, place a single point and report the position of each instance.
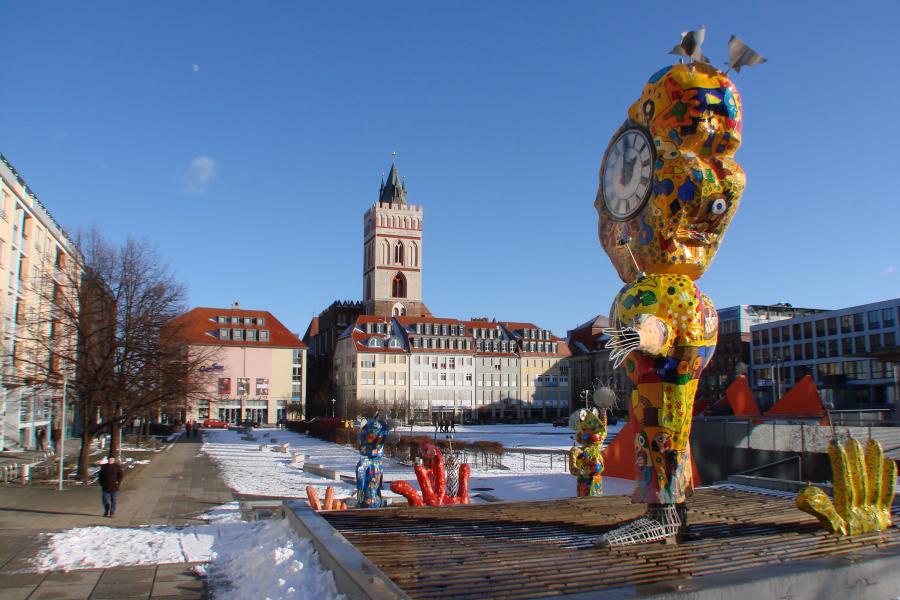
(103, 324)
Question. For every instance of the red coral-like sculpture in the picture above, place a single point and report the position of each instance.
(431, 474)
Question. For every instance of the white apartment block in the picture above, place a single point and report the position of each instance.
(35, 254)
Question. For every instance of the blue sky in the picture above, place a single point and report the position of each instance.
(248, 143)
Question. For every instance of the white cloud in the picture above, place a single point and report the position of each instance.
(195, 67)
(889, 271)
(200, 174)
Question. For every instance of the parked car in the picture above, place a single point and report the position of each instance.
(561, 422)
(214, 424)
(249, 423)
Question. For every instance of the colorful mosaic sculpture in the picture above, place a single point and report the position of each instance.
(669, 187)
(370, 468)
(864, 487)
(431, 473)
(586, 454)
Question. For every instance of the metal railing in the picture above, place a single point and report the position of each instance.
(797, 458)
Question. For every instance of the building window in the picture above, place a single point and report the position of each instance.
(858, 322)
(874, 319)
(875, 342)
(398, 286)
(250, 335)
(845, 324)
(237, 334)
(398, 253)
(887, 317)
(820, 328)
(263, 335)
(224, 334)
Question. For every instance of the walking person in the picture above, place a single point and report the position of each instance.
(110, 477)
(187, 428)
(39, 434)
(55, 438)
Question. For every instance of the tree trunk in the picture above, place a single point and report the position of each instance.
(115, 438)
(86, 439)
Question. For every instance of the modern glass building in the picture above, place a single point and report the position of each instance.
(851, 353)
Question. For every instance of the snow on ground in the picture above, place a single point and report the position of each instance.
(524, 477)
(542, 435)
(246, 470)
(546, 486)
(263, 559)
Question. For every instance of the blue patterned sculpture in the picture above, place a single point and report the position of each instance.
(372, 436)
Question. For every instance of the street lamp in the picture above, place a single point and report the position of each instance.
(777, 361)
(332, 407)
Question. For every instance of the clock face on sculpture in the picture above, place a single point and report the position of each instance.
(627, 172)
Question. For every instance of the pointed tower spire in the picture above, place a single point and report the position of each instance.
(393, 191)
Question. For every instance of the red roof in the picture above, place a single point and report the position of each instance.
(361, 337)
(407, 320)
(312, 329)
(201, 326)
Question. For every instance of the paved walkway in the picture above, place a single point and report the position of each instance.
(179, 484)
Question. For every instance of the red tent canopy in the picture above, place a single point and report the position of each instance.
(741, 398)
(802, 401)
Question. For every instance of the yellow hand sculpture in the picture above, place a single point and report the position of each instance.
(863, 490)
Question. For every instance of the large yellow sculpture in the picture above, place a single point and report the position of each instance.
(669, 187)
(863, 490)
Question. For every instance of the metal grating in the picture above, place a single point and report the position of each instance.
(538, 549)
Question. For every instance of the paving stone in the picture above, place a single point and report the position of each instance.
(114, 591)
(176, 588)
(128, 575)
(12, 580)
(83, 576)
(15, 593)
(62, 592)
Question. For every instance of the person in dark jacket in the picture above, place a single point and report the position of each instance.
(109, 478)
(39, 435)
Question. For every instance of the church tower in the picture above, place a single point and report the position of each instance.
(392, 253)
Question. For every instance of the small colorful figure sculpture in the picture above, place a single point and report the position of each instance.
(370, 468)
(431, 474)
(669, 187)
(863, 490)
(586, 455)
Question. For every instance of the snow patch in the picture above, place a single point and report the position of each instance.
(263, 559)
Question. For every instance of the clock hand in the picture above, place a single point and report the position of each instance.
(627, 171)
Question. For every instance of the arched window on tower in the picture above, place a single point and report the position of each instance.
(414, 255)
(368, 295)
(398, 286)
(398, 253)
(385, 252)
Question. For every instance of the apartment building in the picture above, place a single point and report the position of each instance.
(371, 368)
(442, 367)
(544, 371)
(38, 269)
(256, 368)
(497, 390)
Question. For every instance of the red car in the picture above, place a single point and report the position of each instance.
(215, 424)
